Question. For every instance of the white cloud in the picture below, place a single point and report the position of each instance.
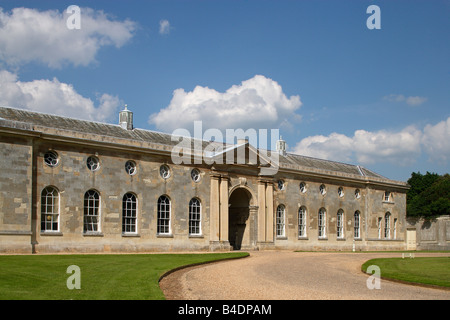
(411, 100)
(54, 97)
(164, 27)
(415, 101)
(30, 35)
(365, 147)
(255, 103)
(333, 147)
(436, 141)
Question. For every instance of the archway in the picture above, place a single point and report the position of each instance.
(238, 218)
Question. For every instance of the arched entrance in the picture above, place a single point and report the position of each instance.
(238, 218)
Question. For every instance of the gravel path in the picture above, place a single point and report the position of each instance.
(282, 275)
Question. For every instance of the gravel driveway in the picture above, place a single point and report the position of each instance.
(283, 275)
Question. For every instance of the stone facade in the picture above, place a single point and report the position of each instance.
(429, 234)
(237, 206)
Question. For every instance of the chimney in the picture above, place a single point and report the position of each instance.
(281, 146)
(126, 119)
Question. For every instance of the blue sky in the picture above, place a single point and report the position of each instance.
(335, 89)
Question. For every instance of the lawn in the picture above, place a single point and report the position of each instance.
(430, 271)
(102, 277)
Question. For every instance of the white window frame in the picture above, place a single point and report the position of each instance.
(280, 185)
(281, 221)
(129, 213)
(302, 213)
(54, 161)
(380, 223)
(93, 163)
(195, 217)
(163, 224)
(357, 225)
(50, 204)
(195, 175)
(164, 172)
(130, 167)
(395, 228)
(91, 212)
(322, 223)
(322, 189)
(387, 225)
(340, 224)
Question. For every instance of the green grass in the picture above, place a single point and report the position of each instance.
(103, 277)
(429, 271)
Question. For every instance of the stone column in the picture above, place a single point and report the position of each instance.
(261, 211)
(214, 209)
(223, 234)
(269, 212)
(253, 225)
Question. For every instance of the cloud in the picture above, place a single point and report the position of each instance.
(28, 35)
(364, 146)
(258, 102)
(412, 101)
(415, 101)
(436, 141)
(164, 27)
(54, 97)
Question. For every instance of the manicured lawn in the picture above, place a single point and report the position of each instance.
(103, 277)
(434, 271)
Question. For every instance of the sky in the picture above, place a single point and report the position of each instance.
(340, 80)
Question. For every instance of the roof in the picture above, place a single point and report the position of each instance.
(104, 132)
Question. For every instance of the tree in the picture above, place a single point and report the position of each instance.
(429, 195)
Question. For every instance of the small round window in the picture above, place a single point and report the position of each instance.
(280, 185)
(341, 192)
(357, 194)
(302, 187)
(164, 171)
(195, 175)
(93, 163)
(130, 167)
(322, 189)
(51, 158)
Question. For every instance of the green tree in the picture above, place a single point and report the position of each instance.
(429, 195)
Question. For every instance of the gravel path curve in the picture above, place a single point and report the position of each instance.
(283, 275)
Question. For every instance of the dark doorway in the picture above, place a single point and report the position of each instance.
(238, 215)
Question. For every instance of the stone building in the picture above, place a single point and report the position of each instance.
(70, 185)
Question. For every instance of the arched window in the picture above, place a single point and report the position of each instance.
(91, 211)
(49, 210)
(163, 223)
(195, 217)
(281, 212)
(322, 224)
(340, 224)
(387, 225)
(129, 213)
(302, 221)
(356, 225)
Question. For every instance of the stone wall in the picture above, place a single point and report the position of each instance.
(431, 234)
(15, 194)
